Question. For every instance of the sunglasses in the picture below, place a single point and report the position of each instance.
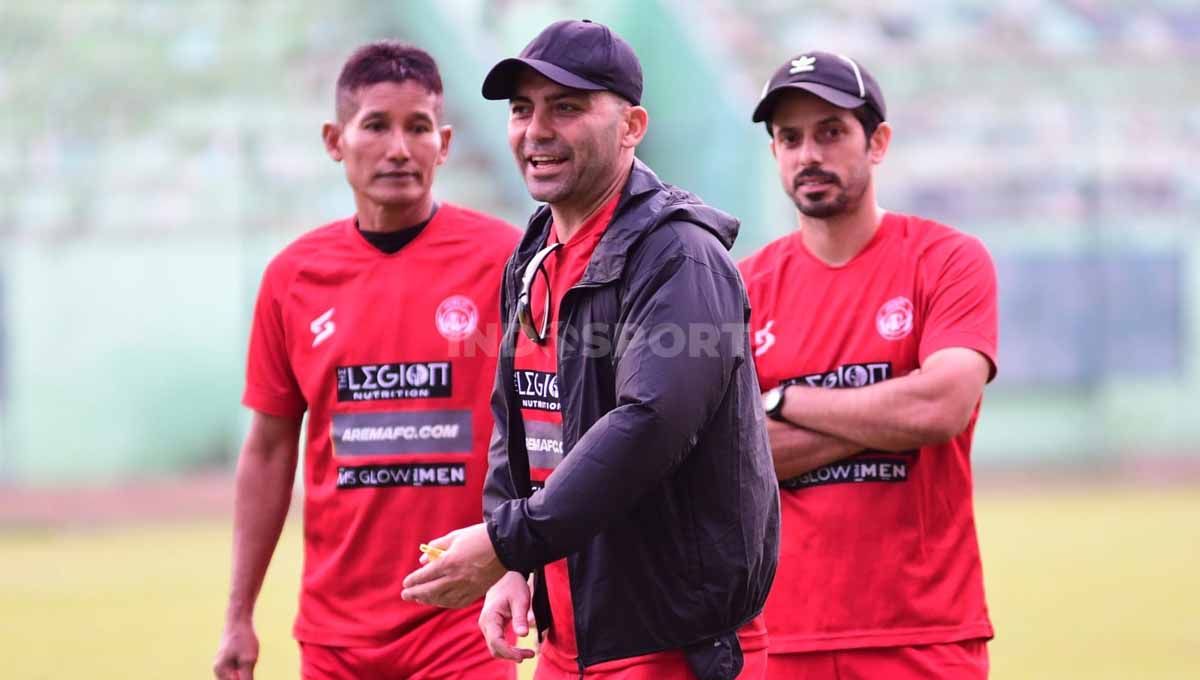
(536, 333)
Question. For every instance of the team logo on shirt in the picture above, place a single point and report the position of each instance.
(538, 390)
(373, 382)
(405, 474)
(871, 466)
(400, 433)
(544, 444)
(853, 471)
(895, 318)
(847, 375)
(764, 339)
(457, 318)
(322, 327)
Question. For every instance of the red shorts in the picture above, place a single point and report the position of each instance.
(662, 666)
(967, 660)
(451, 656)
(670, 665)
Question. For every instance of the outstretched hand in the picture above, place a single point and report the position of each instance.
(467, 567)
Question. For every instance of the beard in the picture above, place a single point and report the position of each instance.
(823, 206)
(844, 197)
(552, 192)
(591, 163)
(585, 174)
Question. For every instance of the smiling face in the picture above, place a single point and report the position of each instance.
(390, 144)
(568, 143)
(825, 160)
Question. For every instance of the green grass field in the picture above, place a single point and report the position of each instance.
(1082, 583)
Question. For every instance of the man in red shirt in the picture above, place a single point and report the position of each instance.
(633, 476)
(382, 328)
(874, 333)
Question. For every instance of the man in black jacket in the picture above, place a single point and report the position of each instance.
(631, 471)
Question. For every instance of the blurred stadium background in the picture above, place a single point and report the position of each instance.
(155, 154)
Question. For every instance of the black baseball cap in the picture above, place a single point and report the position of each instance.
(580, 54)
(839, 80)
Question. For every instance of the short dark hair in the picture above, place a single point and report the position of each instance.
(865, 115)
(385, 61)
(869, 120)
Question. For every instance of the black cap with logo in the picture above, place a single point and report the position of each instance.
(838, 80)
(579, 54)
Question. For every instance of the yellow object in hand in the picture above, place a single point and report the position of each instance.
(433, 552)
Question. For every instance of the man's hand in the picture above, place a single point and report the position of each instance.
(797, 450)
(463, 573)
(506, 601)
(238, 652)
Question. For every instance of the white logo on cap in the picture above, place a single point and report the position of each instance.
(803, 65)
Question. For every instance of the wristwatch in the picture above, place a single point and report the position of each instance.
(773, 403)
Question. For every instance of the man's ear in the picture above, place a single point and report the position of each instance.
(637, 121)
(446, 132)
(878, 146)
(331, 133)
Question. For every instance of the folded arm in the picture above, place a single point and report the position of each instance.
(797, 450)
(928, 406)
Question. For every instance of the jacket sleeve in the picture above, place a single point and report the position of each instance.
(682, 339)
(498, 485)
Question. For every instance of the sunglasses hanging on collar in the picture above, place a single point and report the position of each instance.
(536, 333)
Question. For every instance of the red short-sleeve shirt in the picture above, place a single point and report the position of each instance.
(393, 358)
(878, 549)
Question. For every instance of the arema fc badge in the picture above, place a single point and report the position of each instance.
(457, 318)
(895, 318)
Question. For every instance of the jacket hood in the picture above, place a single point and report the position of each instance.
(677, 205)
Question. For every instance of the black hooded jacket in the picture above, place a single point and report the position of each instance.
(666, 504)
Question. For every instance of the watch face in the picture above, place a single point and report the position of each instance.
(772, 400)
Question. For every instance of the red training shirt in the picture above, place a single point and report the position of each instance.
(536, 378)
(878, 549)
(393, 357)
(535, 375)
